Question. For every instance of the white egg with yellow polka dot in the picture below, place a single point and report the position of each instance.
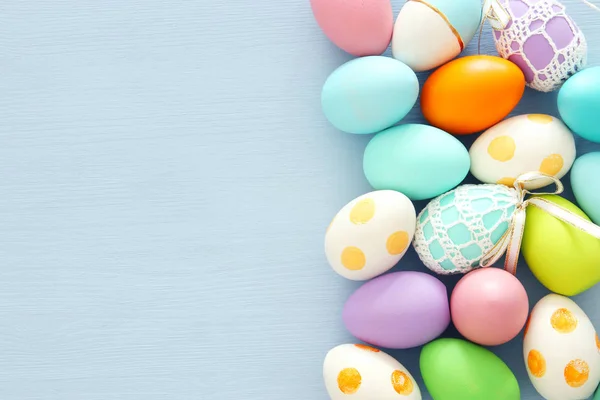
(521, 144)
(369, 235)
(360, 372)
(561, 350)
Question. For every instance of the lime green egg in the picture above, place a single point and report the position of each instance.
(563, 258)
(454, 369)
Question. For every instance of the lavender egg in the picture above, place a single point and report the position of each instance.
(543, 41)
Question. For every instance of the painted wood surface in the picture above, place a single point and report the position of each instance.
(167, 176)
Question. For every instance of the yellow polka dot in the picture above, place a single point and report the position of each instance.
(362, 212)
(402, 383)
(536, 363)
(397, 242)
(367, 348)
(502, 148)
(507, 181)
(577, 373)
(552, 164)
(349, 380)
(353, 258)
(539, 118)
(563, 321)
(597, 342)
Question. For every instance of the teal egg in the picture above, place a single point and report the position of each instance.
(597, 396)
(464, 15)
(417, 160)
(369, 94)
(585, 184)
(455, 230)
(579, 102)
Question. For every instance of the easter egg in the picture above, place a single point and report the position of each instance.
(429, 33)
(357, 371)
(563, 258)
(561, 350)
(359, 27)
(370, 234)
(521, 144)
(455, 230)
(369, 94)
(579, 102)
(418, 160)
(471, 93)
(543, 41)
(585, 184)
(597, 395)
(455, 369)
(489, 306)
(399, 310)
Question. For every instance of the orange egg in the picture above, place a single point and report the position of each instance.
(471, 94)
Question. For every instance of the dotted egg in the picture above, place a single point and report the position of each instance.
(358, 371)
(543, 41)
(561, 350)
(521, 144)
(370, 234)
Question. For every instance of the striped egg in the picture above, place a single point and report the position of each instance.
(429, 33)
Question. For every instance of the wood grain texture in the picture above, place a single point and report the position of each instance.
(166, 177)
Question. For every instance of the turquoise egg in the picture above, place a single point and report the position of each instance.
(585, 184)
(420, 161)
(455, 230)
(579, 103)
(597, 396)
(464, 15)
(369, 94)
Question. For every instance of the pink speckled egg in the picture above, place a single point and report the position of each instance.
(489, 306)
(359, 27)
(543, 41)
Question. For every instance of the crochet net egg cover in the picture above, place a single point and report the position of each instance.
(456, 229)
(543, 41)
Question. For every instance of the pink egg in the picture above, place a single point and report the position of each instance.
(359, 27)
(489, 306)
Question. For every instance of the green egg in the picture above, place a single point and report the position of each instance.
(563, 258)
(455, 369)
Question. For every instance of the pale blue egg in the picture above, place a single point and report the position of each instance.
(586, 187)
(579, 103)
(369, 94)
(464, 15)
(420, 161)
(456, 230)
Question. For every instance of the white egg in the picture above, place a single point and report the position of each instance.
(370, 234)
(360, 372)
(525, 143)
(561, 350)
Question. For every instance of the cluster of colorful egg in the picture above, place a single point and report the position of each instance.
(539, 46)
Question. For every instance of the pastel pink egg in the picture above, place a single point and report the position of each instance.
(489, 306)
(359, 27)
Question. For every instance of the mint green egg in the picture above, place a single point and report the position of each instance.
(455, 230)
(464, 15)
(369, 94)
(417, 160)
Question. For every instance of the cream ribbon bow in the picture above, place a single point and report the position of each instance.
(496, 14)
(510, 242)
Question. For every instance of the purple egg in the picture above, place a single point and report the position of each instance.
(398, 310)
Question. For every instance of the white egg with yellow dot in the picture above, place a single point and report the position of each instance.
(369, 235)
(521, 144)
(360, 372)
(561, 350)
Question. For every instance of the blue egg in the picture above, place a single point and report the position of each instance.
(579, 103)
(369, 94)
(586, 186)
(420, 161)
(464, 15)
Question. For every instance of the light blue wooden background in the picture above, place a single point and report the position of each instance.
(166, 178)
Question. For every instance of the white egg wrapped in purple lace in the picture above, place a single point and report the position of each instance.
(543, 41)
